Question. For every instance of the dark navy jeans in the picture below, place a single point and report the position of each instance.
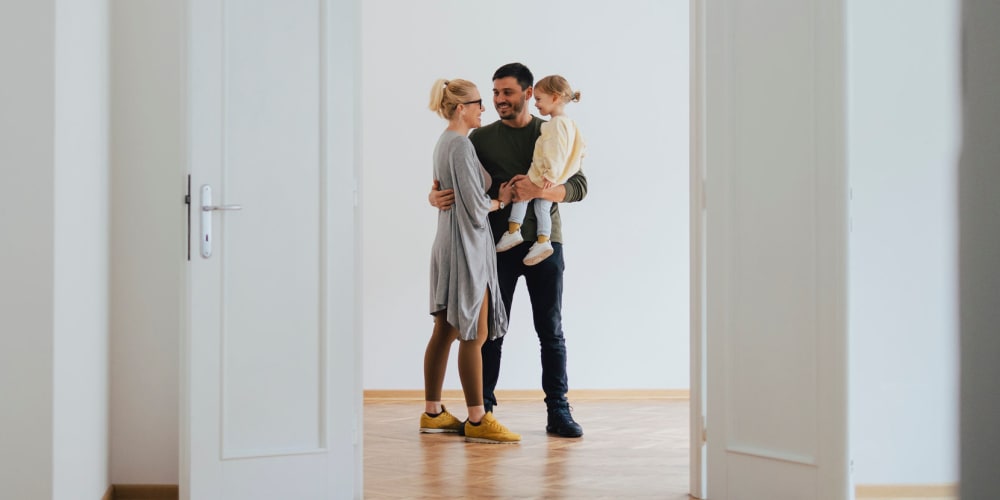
(545, 287)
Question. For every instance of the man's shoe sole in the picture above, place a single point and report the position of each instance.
(550, 430)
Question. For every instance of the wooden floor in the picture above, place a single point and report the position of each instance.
(630, 449)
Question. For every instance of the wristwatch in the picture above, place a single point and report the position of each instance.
(501, 203)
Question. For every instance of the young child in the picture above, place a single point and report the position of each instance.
(558, 152)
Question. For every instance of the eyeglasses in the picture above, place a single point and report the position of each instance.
(477, 101)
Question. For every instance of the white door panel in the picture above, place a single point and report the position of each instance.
(776, 245)
(262, 367)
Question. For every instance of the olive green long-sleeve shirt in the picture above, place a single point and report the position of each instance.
(505, 152)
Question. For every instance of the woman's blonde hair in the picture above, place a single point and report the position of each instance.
(446, 95)
(557, 86)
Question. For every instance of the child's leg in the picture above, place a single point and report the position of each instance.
(542, 213)
(517, 213)
(512, 237)
(542, 248)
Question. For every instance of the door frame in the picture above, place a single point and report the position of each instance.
(696, 272)
(696, 233)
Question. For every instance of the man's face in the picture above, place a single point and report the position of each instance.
(508, 98)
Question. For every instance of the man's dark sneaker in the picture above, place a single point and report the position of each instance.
(561, 422)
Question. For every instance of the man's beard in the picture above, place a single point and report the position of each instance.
(514, 109)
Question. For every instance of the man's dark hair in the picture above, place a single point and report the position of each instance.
(519, 71)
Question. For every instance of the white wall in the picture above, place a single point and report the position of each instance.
(903, 141)
(53, 266)
(147, 240)
(625, 305)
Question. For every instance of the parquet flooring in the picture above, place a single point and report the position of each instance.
(632, 449)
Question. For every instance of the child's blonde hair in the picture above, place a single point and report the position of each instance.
(557, 86)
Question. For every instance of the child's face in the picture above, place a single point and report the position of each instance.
(546, 103)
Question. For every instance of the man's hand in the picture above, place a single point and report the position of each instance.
(525, 190)
(443, 200)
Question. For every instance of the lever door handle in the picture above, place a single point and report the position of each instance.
(221, 207)
(206, 218)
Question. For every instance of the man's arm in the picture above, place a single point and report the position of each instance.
(442, 200)
(575, 189)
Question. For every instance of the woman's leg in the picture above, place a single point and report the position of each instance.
(436, 361)
(470, 364)
(481, 427)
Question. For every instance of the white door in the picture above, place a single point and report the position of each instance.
(273, 395)
(776, 242)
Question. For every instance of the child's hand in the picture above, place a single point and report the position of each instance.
(547, 184)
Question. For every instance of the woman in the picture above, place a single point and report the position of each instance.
(465, 298)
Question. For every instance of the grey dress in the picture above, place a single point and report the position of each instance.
(463, 258)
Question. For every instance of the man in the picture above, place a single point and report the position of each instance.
(505, 148)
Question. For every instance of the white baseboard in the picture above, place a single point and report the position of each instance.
(907, 491)
(536, 394)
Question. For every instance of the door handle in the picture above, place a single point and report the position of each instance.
(206, 218)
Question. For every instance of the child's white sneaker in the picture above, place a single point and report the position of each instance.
(538, 252)
(509, 240)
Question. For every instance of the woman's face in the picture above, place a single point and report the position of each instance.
(472, 111)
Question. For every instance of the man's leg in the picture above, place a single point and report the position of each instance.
(508, 271)
(545, 285)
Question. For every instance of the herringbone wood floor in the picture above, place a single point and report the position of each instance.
(630, 450)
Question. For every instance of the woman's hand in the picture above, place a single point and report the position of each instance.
(506, 195)
(441, 199)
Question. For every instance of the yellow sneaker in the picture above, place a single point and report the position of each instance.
(443, 422)
(490, 431)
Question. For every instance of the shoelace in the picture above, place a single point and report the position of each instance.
(564, 411)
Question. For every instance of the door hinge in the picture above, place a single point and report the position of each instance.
(187, 202)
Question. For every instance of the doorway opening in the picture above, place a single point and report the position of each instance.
(627, 324)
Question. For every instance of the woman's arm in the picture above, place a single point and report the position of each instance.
(445, 199)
